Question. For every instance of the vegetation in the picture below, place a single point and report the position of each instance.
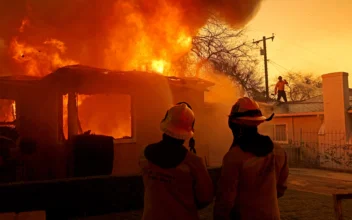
(228, 52)
(302, 86)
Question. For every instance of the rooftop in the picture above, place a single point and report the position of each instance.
(80, 78)
(314, 104)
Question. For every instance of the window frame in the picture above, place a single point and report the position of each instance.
(286, 133)
(133, 139)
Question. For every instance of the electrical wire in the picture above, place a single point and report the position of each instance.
(280, 71)
(272, 62)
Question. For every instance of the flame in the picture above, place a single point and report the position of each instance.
(25, 22)
(7, 110)
(40, 60)
(120, 35)
(159, 65)
(13, 105)
(158, 41)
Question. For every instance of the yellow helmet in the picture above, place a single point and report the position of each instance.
(178, 122)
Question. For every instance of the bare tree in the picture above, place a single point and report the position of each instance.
(230, 53)
(303, 86)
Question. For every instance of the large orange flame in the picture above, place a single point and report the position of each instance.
(117, 34)
(40, 60)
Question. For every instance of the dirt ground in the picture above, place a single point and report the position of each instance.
(295, 205)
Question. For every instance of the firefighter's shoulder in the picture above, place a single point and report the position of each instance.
(234, 155)
(194, 159)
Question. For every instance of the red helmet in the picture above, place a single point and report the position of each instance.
(247, 110)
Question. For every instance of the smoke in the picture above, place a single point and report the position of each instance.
(221, 97)
(116, 34)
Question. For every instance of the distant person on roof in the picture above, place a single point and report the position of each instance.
(176, 181)
(254, 171)
(280, 89)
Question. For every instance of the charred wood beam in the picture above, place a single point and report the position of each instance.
(72, 115)
(4, 123)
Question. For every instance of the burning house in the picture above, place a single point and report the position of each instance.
(127, 106)
(61, 97)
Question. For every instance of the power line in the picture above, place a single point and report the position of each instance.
(315, 63)
(294, 44)
(280, 71)
(264, 52)
(272, 62)
(308, 50)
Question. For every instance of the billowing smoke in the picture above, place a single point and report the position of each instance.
(116, 34)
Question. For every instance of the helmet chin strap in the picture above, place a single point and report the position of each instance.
(191, 145)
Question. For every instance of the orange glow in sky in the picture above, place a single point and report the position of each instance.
(310, 36)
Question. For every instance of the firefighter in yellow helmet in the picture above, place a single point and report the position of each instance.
(176, 181)
(254, 170)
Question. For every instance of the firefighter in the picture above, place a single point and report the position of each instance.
(176, 181)
(254, 170)
(280, 89)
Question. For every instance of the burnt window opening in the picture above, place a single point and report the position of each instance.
(102, 114)
(7, 112)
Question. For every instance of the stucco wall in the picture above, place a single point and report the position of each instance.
(297, 127)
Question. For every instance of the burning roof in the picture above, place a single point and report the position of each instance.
(82, 78)
(85, 80)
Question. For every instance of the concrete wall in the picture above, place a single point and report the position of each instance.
(336, 102)
(337, 122)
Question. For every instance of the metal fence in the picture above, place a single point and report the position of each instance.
(309, 149)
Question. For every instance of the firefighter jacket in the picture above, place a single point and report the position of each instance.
(176, 182)
(253, 177)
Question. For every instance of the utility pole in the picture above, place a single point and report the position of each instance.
(263, 52)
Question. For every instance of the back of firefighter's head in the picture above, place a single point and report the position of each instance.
(245, 115)
(279, 78)
(179, 122)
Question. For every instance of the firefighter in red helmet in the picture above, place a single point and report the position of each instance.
(254, 170)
